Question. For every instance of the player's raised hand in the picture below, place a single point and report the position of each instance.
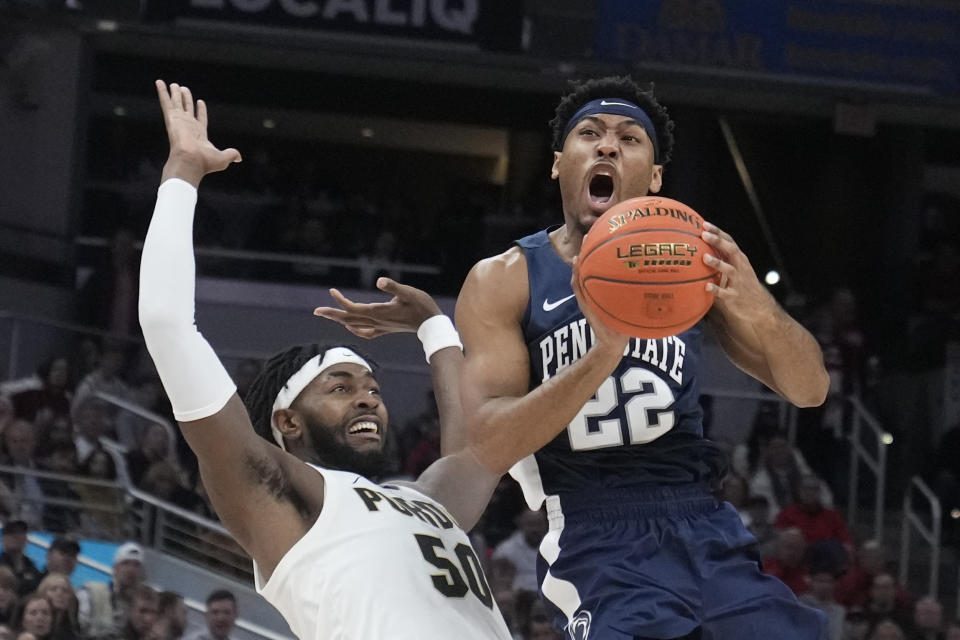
(192, 155)
(405, 312)
(739, 292)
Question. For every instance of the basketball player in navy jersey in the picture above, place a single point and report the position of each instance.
(638, 547)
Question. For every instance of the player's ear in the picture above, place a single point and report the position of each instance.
(554, 171)
(656, 180)
(288, 423)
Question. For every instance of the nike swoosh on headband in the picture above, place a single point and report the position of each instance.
(550, 306)
(622, 104)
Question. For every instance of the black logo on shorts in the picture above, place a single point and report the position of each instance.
(579, 626)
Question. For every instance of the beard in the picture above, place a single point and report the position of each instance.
(330, 453)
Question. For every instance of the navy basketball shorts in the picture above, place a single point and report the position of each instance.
(662, 562)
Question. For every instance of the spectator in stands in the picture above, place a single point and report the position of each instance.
(141, 615)
(927, 620)
(57, 589)
(61, 556)
(19, 450)
(154, 447)
(856, 626)
(810, 516)
(883, 604)
(97, 523)
(779, 476)
(520, 550)
(162, 480)
(221, 616)
(103, 608)
(91, 421)
(736, 492)
(172, 619)
(820, 596)
(853, 588)
(34, 615)
(789, 563)
(9, 585)
(14, 543)
(106, 378)
(887, 629)
(51, 393)
(60, 518)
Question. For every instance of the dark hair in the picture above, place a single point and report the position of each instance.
(145, 593)
(221, 594)
(65, 544)
(15, 526)
(274, 375)
(167, 600)
(615, 87)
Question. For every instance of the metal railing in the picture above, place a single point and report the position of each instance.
(876, 462)
(150, 417)
(129, 512)
(178, 532)
(98, 506)
(931, 534)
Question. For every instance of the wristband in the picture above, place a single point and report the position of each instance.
(437, 332)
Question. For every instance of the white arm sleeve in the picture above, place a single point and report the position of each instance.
(194, 378)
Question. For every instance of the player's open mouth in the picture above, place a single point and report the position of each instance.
(364, 430)
(601, 190)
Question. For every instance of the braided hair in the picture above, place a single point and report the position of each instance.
(274, 375)
(614, 87)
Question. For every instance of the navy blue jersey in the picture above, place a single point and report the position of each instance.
(644, 425)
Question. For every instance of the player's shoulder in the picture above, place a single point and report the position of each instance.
(499, 271)
(498, 281)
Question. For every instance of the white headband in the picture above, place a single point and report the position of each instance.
(305, 375)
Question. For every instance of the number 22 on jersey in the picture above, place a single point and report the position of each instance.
(647, 407)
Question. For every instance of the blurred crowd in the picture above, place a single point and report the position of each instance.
(45, 605)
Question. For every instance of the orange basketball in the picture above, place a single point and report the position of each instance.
(641, 268)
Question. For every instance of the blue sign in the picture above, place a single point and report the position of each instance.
(911, 45)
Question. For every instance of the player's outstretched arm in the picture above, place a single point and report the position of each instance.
(253, 486)
(756, 333)
(413, 310)
(505, 423)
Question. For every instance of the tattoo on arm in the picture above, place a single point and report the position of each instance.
(263, 470)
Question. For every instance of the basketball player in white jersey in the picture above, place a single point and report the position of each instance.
(337, 554)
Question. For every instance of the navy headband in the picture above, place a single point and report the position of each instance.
(617, 107)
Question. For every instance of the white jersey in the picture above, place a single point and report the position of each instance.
(382, 562)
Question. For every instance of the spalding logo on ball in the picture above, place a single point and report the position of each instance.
(641, 268)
